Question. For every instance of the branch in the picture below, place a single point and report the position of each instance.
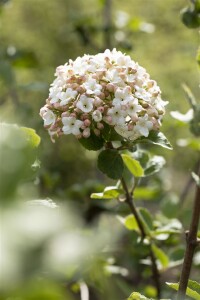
(156, 275)
(155, 272)
(107, 15)
(131, 205)
(191, 244)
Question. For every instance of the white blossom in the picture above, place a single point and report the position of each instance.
(97, 116)
(143, 125)
(48, 116)
(65, 97)
(92, 87)
(71, 125)
(85, 104)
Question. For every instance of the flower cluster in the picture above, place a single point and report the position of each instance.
(107, 88)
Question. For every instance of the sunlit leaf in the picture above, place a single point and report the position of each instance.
(137, 296)
(133, 165)
(145, 193)
(161, 256)
(131, 223)
(109, 192)
(193, 289)
(31, 136)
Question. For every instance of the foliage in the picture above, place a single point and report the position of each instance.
(64, 248)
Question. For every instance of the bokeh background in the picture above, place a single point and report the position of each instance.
(36, 37)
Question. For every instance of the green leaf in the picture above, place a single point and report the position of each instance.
(196, 178)
(111, 163)
(195, 286)
(109, 192)
(109, 133)
(32, 138)
(93, 142)
(157, 138)
(133, 165)
(18, 153)
(192, 289)
(161, 256)
(154, 165)
(190, 18)
(137, 296)
(131, 223)
(145, 193)
(146, 218)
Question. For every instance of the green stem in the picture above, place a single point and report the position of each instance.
(191, 244)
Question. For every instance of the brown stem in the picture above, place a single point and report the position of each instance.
(191, 244)
(129, 201)
(156, 275)
(131, 205)
(107, 23)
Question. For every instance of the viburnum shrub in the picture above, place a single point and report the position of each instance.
(110, 103)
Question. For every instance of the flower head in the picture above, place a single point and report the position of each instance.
(107, 88)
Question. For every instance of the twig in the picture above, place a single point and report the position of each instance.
(131, 205)
(107, 14)
(156, 275)
(129, 201)
(191, 244)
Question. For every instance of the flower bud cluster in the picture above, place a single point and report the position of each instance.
(105, 88)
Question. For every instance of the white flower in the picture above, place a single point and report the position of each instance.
(117, 115)
(71, 125)
(54, 93)
(122, 96)
(65, 97)
(97, 116)
(85, 104)
(92, 87)
(143, 125)
(48, 116)
(133, 107)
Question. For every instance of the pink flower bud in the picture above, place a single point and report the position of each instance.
(102, 96)
(81, 89)
(97, 101)
(101, 109)
(100, 126)
(130, 127)
(73, 115)
(110, 87)
(65, 114)
(109, 119)
(134, 118)
(56, 105)
(96, 132)
(87, 122)
(86, 132)
(106, 94)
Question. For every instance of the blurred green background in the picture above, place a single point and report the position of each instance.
(36, 37)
